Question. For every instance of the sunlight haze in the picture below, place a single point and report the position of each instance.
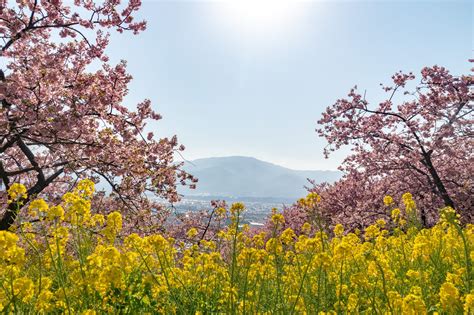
(252, 78)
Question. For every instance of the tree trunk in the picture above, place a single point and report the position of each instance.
(10, 215)
(438, 182)
(14, 208)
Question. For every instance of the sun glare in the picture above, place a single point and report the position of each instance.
(258, 18)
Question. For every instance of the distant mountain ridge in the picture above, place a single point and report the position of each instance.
(239, 176)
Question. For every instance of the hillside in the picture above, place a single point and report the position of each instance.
(238, 176)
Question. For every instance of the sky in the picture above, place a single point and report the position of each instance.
(253, 79)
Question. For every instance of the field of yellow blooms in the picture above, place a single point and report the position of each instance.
(72, 261)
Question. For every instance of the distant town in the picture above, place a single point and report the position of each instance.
(256, 210)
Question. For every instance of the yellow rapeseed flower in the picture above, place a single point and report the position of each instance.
(306, 228)
(37, 207)
(23, 288)
(449, 297)
(16, 191)
(113, 226)
(338, 230)
(469, 304)
(56, 212)
(59, 267)
(388, 200)
(278, 218)
(85, 188)
(192, 232)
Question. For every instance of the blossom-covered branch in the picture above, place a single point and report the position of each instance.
(59, 119)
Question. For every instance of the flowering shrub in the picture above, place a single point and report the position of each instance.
(71, 260)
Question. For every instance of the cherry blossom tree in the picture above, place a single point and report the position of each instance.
(418, 140)
(61, 120)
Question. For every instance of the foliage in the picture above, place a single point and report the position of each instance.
(73, 261)
(61, 120)
(420, 141)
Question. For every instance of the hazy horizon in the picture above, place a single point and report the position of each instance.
(252, 157)
(239, 176)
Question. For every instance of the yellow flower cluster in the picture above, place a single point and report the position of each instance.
(310, 200)
(388, 200)
(409, 216)
(77, 265)
(16, 192)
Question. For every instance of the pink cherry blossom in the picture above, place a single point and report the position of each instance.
(417, 140)
(60, 121)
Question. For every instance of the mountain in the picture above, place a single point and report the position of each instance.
(238, 176)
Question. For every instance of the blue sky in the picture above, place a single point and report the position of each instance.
(243, 89)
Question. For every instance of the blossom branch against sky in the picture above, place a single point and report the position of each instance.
(225, 93)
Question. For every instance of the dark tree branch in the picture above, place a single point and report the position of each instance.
(4, 176)
(31, 157)
(13, 208)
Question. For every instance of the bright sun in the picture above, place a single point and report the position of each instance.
(258, 18)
